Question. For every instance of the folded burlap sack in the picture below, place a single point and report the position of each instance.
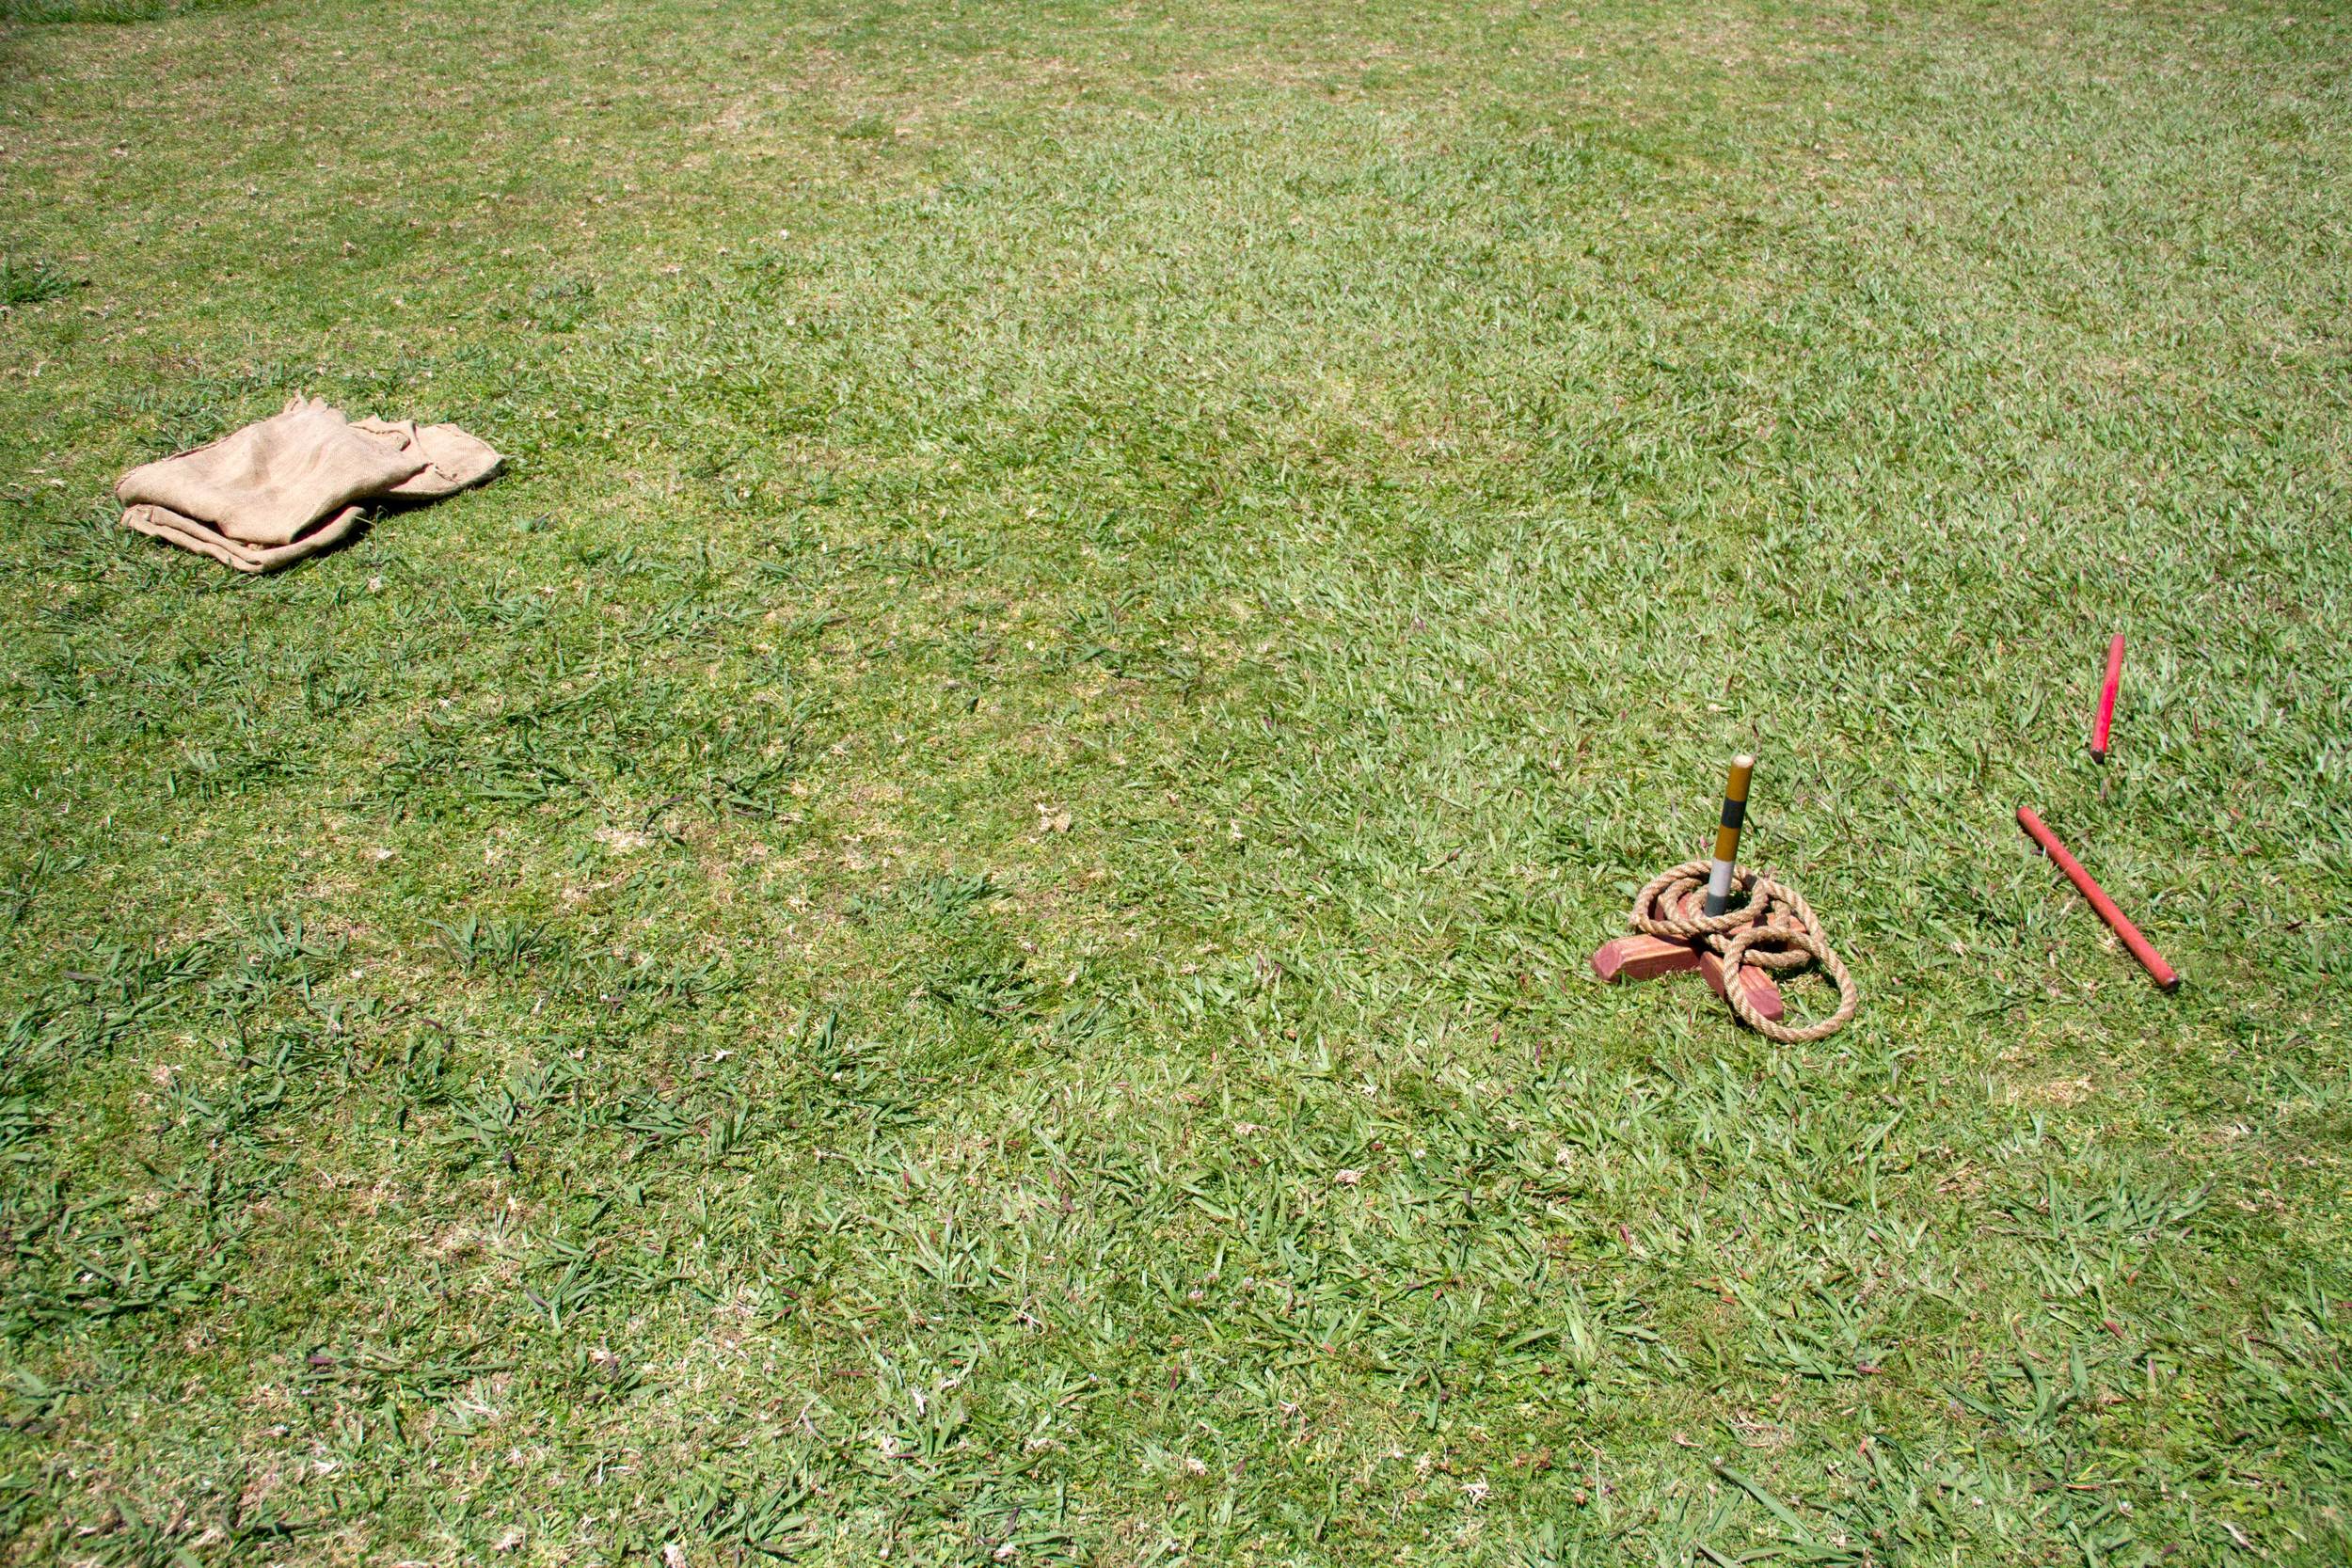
(268, 482)
(276, 491)
(452, 459)
(159, 522)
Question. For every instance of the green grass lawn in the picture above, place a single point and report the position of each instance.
(950, 928)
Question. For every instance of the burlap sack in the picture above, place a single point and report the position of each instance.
(159, 522)
(279, 490)
(452, 459)
(269, 482)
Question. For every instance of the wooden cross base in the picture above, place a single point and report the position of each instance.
(1646, 958)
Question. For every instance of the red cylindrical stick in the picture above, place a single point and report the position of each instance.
(2106, 699)
(2153, 961)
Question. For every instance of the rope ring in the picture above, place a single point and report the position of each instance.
(1775, 929)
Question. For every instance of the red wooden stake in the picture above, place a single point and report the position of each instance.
(2107, 700)
(2153, 962)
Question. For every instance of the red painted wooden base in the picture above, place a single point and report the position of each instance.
(1646, 958)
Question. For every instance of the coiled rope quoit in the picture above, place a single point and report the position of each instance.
(1775, 929)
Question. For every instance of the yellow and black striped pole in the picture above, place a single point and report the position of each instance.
(1728, 835)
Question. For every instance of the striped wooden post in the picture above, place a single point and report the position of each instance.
(1728, 835)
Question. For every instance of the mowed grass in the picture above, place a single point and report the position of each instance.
(950, 928)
